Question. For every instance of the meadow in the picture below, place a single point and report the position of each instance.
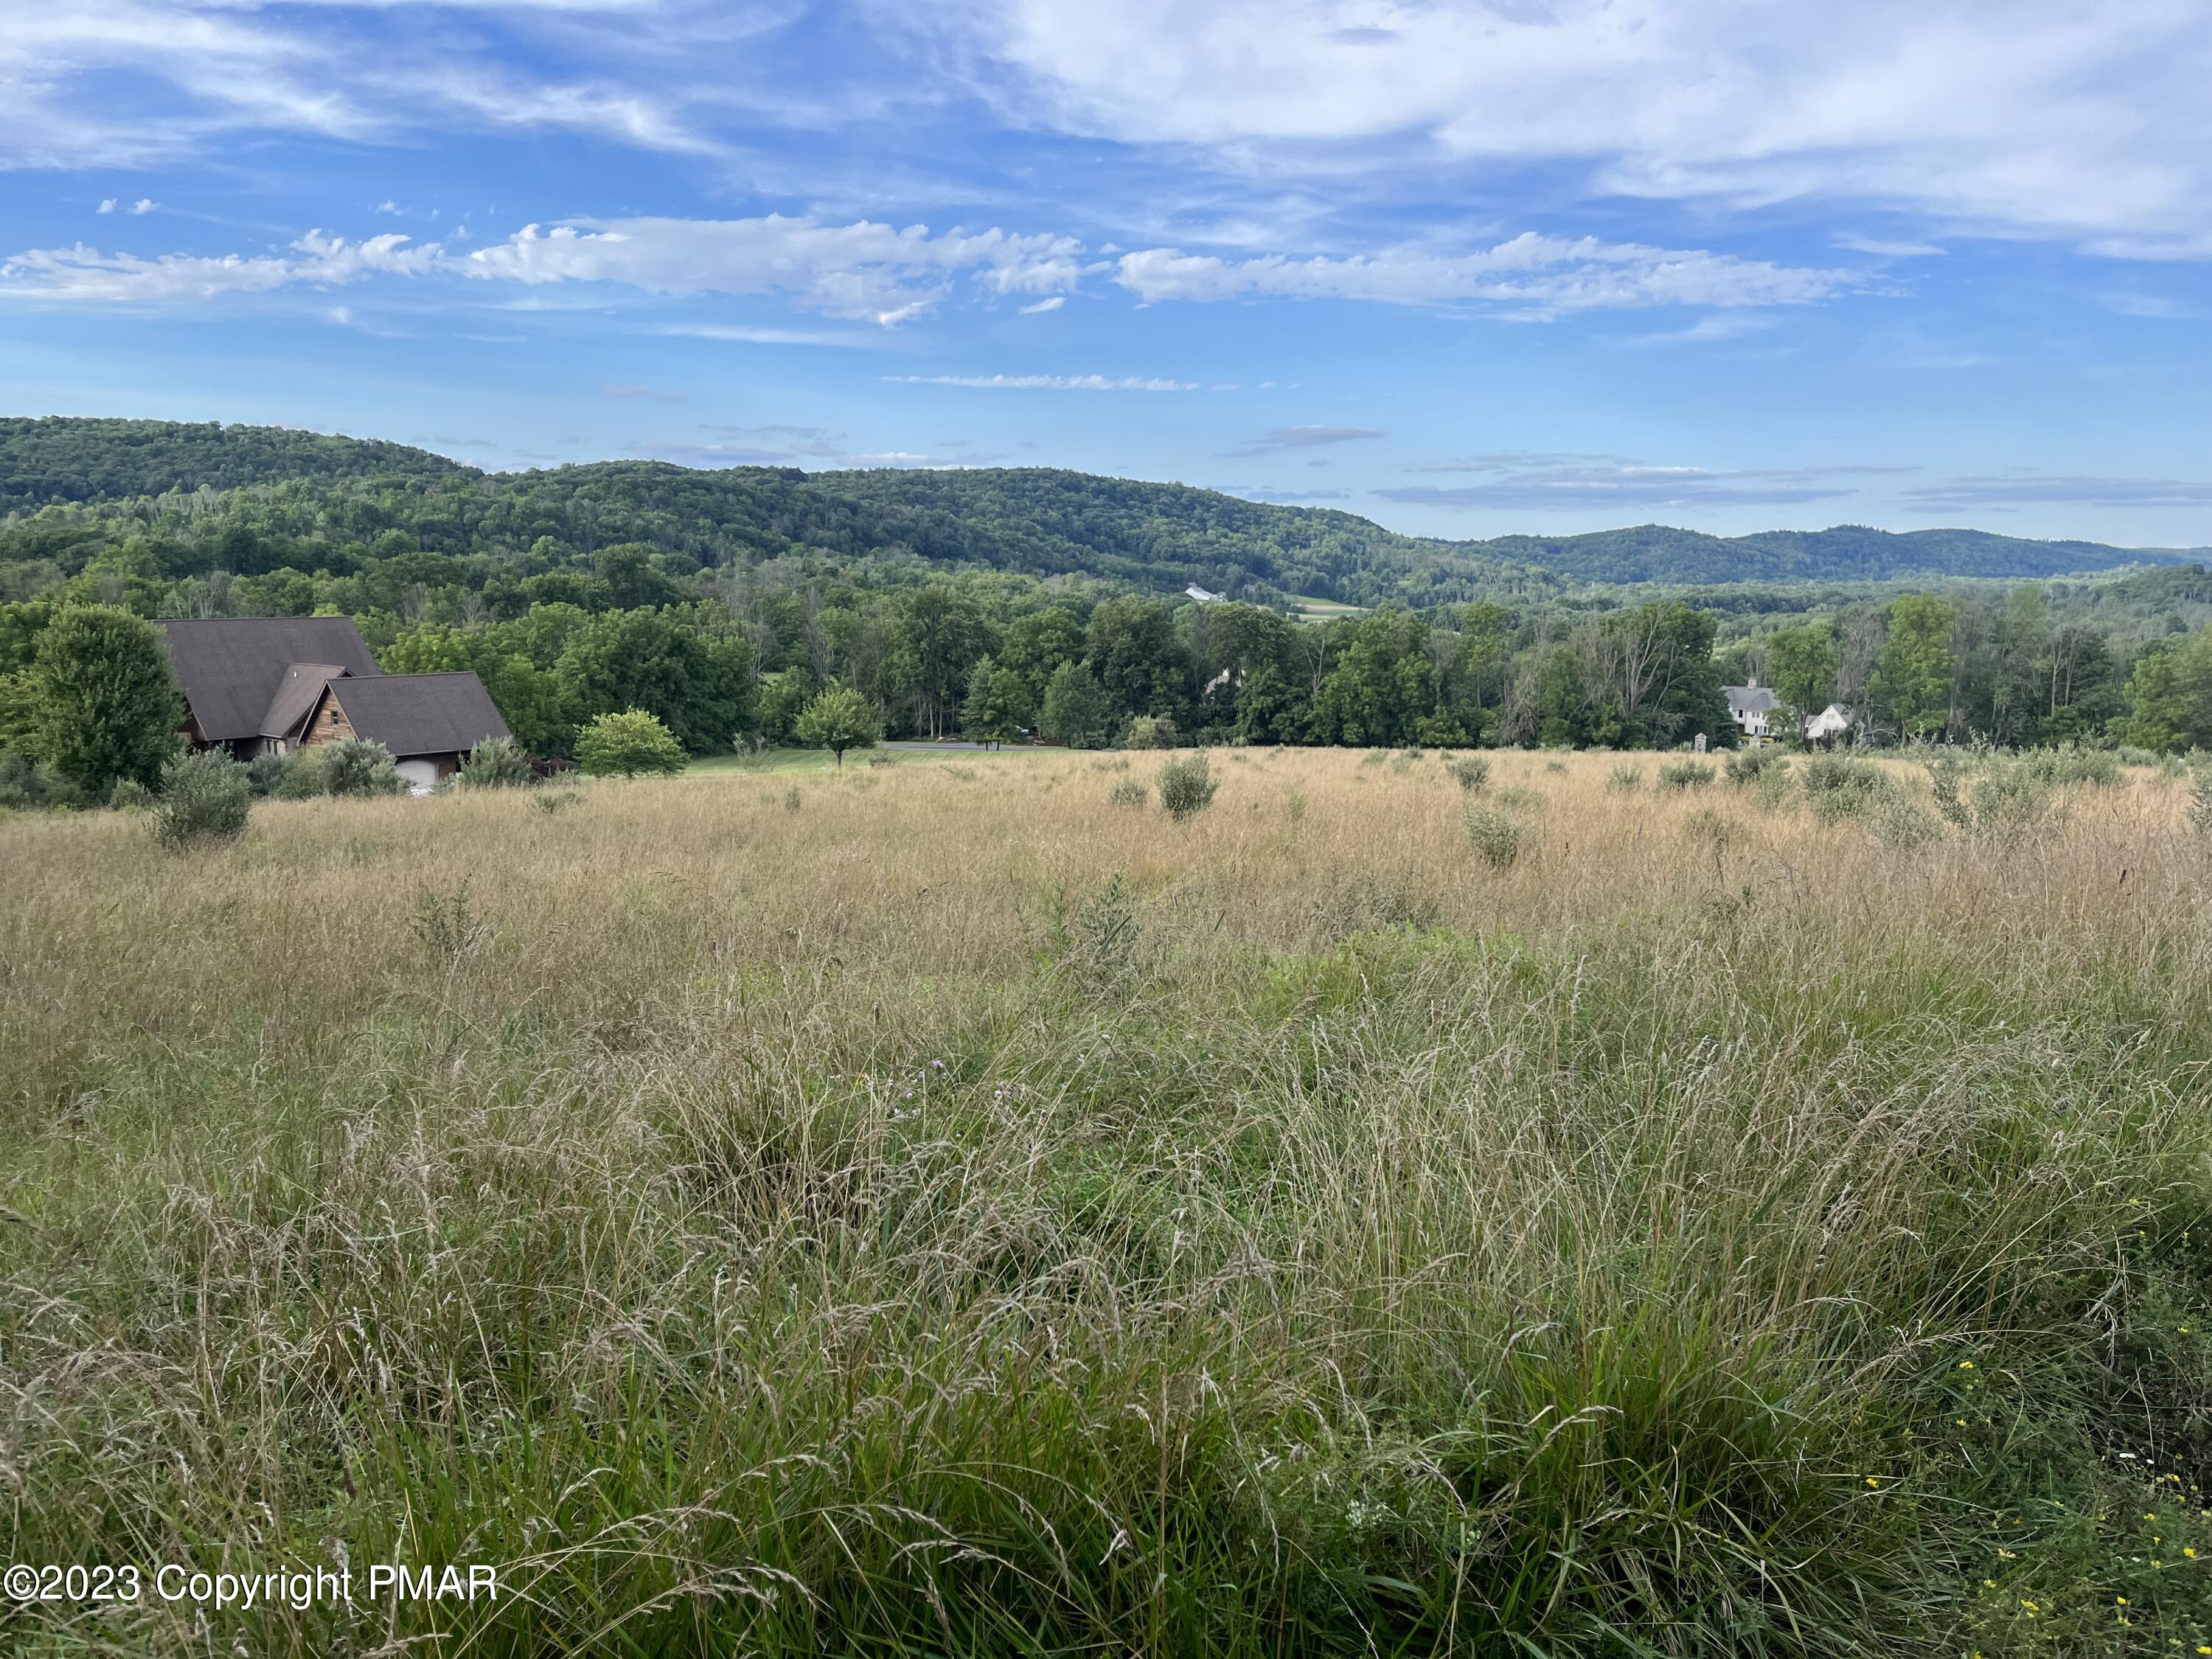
(943, 1208)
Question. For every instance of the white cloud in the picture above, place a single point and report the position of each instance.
(1045, 382)
(144, 205)
(2014, 117)
(1887, 249)
(1537, 276)
(862, 269)
(1053, 304)
(1306, 437)
(85, 274)
(107, 205)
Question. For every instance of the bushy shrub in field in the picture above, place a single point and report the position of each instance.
(1748, 766)
(2200, 803)
(1129, 792)
(1187, 786)
(628, 742)
(1495, 837)
(204, 799)
(1471, 773)
(266, 775)
(496, 763)
(24, 783)
(1623, 779)
(1686, 774)
(2070, 764)
(356, 766)
(1151, 731)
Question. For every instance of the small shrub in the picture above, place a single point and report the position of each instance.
(448, 926)
(1151, 731)
(496, 763)
(2200, 803)
(2070, 764)
(1623, 779)
(791, 800)
(1129, 792)
(1748, 766)
(1119, 764)
(25, 782)
(266, 775)
(1555, 766)
(1686, 774)
(1521, 800)
(1296, 806)
(128, 795)
(1471, 773)
(1107, 934)
(205, 799)
(356, 766)
(1495, 837)
(1187, 786)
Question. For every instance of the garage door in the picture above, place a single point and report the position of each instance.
(421, 775)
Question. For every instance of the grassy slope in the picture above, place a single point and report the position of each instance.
(957, 1215)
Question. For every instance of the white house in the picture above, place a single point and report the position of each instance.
(1204, 596)
(1749, 706)
(1829, 724)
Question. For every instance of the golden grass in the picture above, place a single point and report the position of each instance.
(960, 1213)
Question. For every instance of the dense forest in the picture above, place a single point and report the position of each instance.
(994, 602)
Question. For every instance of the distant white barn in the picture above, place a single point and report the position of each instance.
(1751, 708)
(1204, 596)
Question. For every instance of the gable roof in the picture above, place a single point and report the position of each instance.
(229, 668)
(1749, 699)
(296, 692)
(420, 714)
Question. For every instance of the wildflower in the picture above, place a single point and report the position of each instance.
(2122, 1599)
(1871, 1481)
(2190, 1554)
(1965, 1365)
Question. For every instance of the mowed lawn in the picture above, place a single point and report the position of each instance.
(935, 1209)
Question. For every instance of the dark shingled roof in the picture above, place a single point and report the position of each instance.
(1750, 699)
(421, 713)
(296, 692)
(229, 667)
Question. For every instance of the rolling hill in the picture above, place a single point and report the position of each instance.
(1038, 521)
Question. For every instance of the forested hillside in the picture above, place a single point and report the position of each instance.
(996, 602)
(305, 490)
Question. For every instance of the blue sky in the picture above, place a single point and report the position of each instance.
(1466, 268)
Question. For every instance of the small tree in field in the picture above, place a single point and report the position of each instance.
(628, 742)
(105, 705)
(840, 718)
(1076, 710)
(204, 799)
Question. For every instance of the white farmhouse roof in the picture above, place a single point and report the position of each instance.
(1204, 596)
(1752, 698)
(1831, 721)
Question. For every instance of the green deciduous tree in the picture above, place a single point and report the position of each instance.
(1076, 709)
(840, 718)
(997, 704)
(1801, 664)
(1910, 688)
(628, 742)
(104, 705)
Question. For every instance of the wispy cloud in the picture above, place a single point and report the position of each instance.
(1531, 274)
(1885, 248)
(1581, 482)
(1054, 304)
(84, 274)
(1281, 497)
(2037, 489)
(1045, 382)
(1305, 437)
(654, 393)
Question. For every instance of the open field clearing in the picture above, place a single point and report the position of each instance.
(937, 1209)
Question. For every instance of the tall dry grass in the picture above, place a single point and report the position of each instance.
(959, 1215)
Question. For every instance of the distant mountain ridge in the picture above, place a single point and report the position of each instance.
(1042, 521)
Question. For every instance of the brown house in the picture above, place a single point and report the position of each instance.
(268, 685)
